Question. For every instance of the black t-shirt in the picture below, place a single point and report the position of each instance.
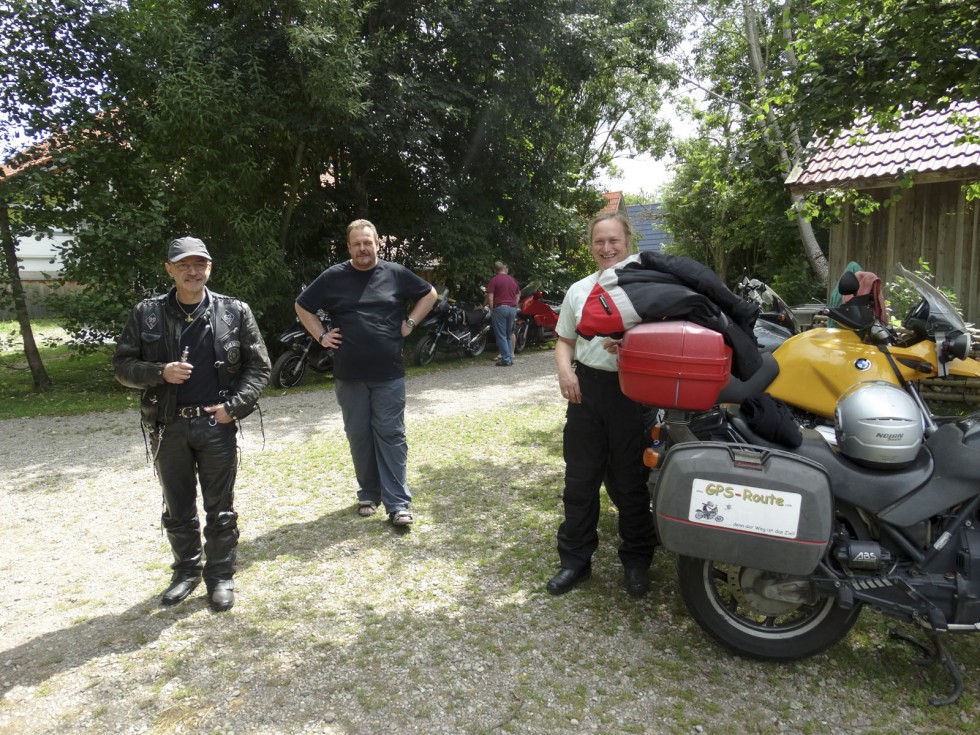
(368, 307)
(201, 389)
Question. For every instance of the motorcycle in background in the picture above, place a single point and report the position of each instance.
(302, 352)
(536, 320)
(453, 327)
(776, 322)
(877, 506)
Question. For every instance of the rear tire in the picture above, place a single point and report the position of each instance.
(288, 370)
(425, 350)
(520, 334)
(724, 600)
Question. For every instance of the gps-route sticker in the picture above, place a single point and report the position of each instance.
(743, 508)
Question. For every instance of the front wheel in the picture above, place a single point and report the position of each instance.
(478, 345)
(289, 369)
(425, 350)
(520, 337)
(760, 614)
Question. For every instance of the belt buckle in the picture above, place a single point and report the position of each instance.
(189, 412)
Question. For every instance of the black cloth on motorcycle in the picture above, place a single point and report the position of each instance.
(475, 316)
(869, 284)
(368, 307)
(771, 419)
(657, 287)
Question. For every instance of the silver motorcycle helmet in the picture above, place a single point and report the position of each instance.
(878, 425)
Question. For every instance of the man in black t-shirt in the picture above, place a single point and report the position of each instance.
(366, 299)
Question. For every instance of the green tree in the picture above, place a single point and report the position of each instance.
(465, 130)
(746, 149)
(499, 119)
(221, 119)
(878, 59)
(49, 71)
(726, 209)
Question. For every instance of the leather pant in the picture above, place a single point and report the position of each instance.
(189, 451)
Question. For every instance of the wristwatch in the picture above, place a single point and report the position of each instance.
(410, 322)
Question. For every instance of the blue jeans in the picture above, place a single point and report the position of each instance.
(374, 420)
(503, 318)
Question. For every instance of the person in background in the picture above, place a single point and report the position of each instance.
(502, 294)
(366, 297)
(201, 363)
(603, 438)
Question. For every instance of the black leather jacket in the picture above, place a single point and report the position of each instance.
(151, 339)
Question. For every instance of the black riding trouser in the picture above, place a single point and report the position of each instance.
(604, 438)
(193, 450)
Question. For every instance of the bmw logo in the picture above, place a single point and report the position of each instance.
(862, 364)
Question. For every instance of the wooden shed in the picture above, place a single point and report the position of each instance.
(932, 220)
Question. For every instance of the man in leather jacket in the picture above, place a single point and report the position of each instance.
(201, 363)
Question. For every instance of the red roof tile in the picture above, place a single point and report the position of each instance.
(924, 145)
(614, 201)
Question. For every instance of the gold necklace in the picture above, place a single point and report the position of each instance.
(189, 315)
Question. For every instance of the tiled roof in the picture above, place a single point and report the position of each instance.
(614, 202)
(35, 156)
(924, 145)
(647, 222)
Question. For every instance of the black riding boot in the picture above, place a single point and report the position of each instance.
(185, 542)
(220, 546)
(220, 549)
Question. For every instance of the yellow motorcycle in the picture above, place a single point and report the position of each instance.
(862, 497)
(816, 367)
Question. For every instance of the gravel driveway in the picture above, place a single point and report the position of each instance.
(344, 625)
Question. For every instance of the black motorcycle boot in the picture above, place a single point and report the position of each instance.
(186, 546)
(221, 554)
(179, 589)
(221, 595)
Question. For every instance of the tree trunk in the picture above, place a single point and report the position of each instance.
(292, 196)
(40, 375)
(787, 144)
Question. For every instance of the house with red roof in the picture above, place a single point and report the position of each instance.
(931, 219)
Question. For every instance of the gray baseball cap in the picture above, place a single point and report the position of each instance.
(185, 247)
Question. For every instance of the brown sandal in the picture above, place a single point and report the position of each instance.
(402, 518)
(366, 508)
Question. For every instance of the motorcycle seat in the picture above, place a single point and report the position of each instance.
(737, 390)
(871, 489)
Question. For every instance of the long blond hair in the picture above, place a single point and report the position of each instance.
(623, 220)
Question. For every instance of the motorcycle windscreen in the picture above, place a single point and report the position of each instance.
(745, 505)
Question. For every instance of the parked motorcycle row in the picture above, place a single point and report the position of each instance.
(451, 327)
(789, 516)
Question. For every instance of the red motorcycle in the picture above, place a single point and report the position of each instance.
(536, 320)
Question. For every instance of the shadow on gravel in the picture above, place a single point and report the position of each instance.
(41, 658)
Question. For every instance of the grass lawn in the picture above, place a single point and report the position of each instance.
(82, 381)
